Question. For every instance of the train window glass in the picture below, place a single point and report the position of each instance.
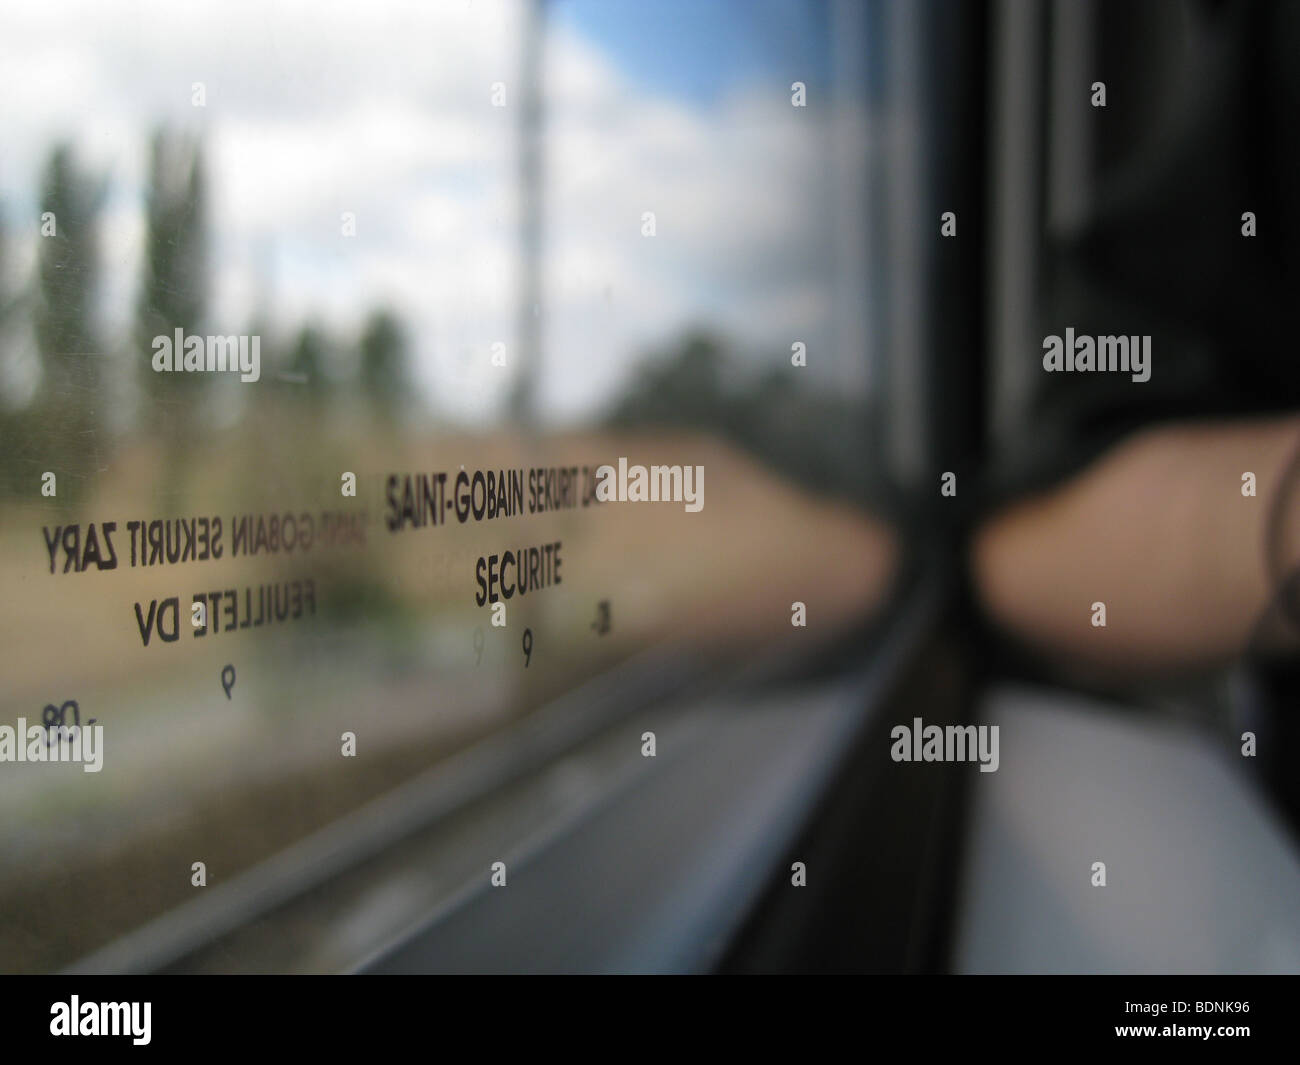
(370, 377)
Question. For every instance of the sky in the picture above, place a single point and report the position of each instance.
(384, 110)
(697, 52)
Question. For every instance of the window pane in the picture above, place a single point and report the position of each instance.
(318, 324)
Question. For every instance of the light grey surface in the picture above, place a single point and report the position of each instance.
(1201, 876)
(658, 877)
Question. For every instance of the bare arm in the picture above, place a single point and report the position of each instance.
(1159, 530)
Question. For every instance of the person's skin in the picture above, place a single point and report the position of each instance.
(1159, 531)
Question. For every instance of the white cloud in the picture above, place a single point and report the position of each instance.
(383, 110)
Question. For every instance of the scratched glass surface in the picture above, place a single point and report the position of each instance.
(431, 239)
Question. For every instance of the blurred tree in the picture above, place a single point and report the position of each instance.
(681, 387)
(819, 439)
(13, 413)
(175, 282)
(67, 412)
(305, 374)
(385, 366)
(9, 300)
